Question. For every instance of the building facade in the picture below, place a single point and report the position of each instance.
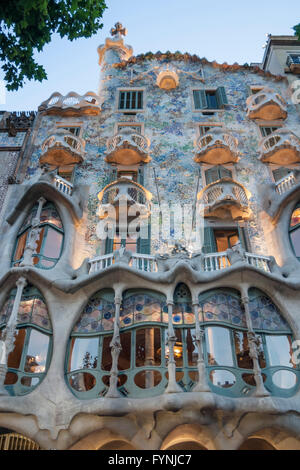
(150, 265)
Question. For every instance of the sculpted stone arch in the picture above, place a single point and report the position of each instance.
(188, 437)
(104, 439)
(270, 439)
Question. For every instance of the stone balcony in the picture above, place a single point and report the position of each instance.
(217, 147)
(71, 104)
(293, 63)
(282, 147)
(127, 148)
(126, 190)
(224, 198)
(62, 148)
(267, 105)
(209, 262)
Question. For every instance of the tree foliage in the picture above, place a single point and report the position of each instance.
(297, 30)
(27, 25)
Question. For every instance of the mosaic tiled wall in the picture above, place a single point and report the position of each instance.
(172, 127)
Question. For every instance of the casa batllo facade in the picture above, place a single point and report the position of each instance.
(154, 340)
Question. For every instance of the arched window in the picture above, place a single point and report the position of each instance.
(229, 365)
(50, 238)
(30, 358)
(141, 363)
(295, 230)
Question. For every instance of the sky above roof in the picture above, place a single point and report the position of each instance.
(226, 31)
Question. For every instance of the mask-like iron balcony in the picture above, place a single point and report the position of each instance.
(224, 198)
(282, 147)
(127, 148)
(72, 104)
(267, 105)
(217, 146)
(62, 148)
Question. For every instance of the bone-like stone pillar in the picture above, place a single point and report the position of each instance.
(8, 337)
(202, 385)
(33, 236)
(116, 348)
(254, 342)
(173, 386)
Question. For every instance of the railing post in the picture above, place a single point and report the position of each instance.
(254, 343)
(8, 337)
(116, 348)
(202, 385)
(173, 386)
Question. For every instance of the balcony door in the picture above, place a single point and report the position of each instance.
(217, 240)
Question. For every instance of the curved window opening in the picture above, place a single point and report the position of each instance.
(226, 346)
(49, 239)
(15, 441)
(29, 360)
(294, 231)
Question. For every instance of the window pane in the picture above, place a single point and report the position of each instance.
(36, 352)
(148, 347)
(106, 362)
(218, 346)
(124, 357)
(20, 246)
(14, 358)
(192, 350)
(52, 245)
(84, 353)
(242, 350)
(295, 237)
(295, 220)
(280, 350)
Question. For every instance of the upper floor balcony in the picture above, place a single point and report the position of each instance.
(267, 105)
(217, 146)
(225, 197)
(71, 104)
(62, 148)
(124, 189)
(282, 147)
(127, 148)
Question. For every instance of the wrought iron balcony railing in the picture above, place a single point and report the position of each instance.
(127, 148)
(62, 148)
(281, 147)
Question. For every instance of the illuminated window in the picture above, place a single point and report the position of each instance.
(50, 239)
(29, 360)
(295, 231)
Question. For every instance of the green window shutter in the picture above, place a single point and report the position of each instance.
(224, 172)
(144, 244)
(242, 237)
(221, 97)
(109, 244)
(113, 175)
(280, 173)
(200, 101)
(209, 243)
(212, 174)
(141, 176)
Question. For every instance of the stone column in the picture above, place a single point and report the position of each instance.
(8, 336)
(116, 348)
(254, 343)
(173, 386)
(202, 385)
(33, 236)
(149, 356)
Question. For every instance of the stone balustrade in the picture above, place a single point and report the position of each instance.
(217, 146)
(267, 105)
(63, 185)
(71, 104)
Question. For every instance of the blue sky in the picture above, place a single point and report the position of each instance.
(223, 30)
